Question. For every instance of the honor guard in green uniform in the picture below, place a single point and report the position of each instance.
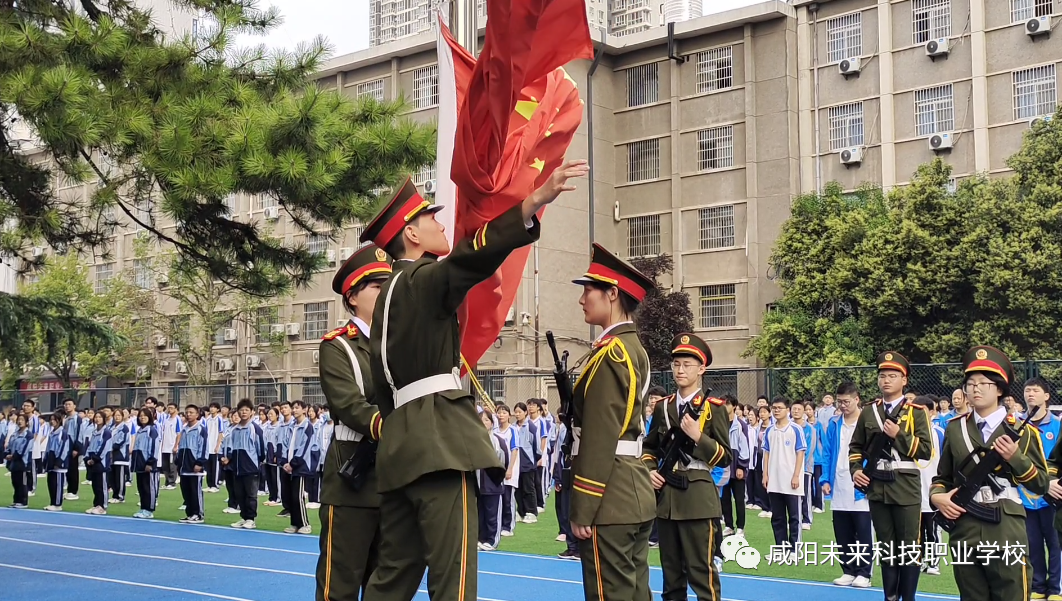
(350, 518)
(612, 503)
(688, 519)
(999, 574)
(895, 498)
(433, 440)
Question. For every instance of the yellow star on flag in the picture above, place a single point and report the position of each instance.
(526, 108)
(538, 165)
(569, 77)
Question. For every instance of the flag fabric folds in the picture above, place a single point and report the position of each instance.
(517, 111)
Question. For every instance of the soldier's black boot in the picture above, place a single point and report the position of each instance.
(909, 582)
(890, 582)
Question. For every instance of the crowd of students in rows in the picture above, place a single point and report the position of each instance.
(268, 451)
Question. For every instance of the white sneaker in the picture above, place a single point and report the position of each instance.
(182, 508)
(718, 562)
(290, 530)
(230, 510)
(861, 582)
(817, 510)
(740, 532)
(313, 506)
(845, 580)
(487, 547)
(272, 503)
(86, 482)
(306, 530)
(805, 526)
(506, 533)
(751, 506)
(70, 496)
(765, 514)
(263, 493)
(542, 510)
(530, 519)
(239, 524)
(480, 546)
(561, 538)
(933, 571)
(170, 487)
(249, 525)
(728, 531)
(53, 508)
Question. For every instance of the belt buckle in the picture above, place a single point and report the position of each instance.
(987, 495)
(885, 465)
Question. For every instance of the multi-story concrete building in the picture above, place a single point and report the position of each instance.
(699, 145)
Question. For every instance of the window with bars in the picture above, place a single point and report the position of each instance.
(930, 19)
(643, 236)
(266, 201)
(424, 174)
(1023, 10)
(142, 276)
(142, 211)
(846, 126)
(180, 327)
(643, 85)
(311, 391)
(265, 319)
(374, 88)
(230, 205)
(716, 227)
(934, 110)
(643, 160)
(715, 69)
(224, 322)
(1035, 92)
(315, 320)
(844, 37)
(715, 148)
(104, 273)
(266, 391)
(426, 87)
(317, 244)
(718, 305)
(357, 231)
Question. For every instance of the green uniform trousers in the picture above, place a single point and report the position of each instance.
(432, 523)
(895, 525)
(997, 574)
(687, 548)
(616, 563)
(349, 540)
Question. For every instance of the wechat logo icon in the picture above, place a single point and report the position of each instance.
(735, 548)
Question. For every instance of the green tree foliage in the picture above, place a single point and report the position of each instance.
(922, 270)
(661, 315)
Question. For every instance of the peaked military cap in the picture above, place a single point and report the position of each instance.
(406, 203)
(691, 345)
(606, 268)
(895, 361)
(987, 359)
(367, 263)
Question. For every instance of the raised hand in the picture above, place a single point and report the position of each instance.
(557, 183)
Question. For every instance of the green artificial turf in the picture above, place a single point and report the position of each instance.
(536, 539)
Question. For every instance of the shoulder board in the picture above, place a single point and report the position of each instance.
(1010, 420)
(335, 333)
(716, 401)
(352, 330)
(669, 398)
(697, 401)
(951, 419)
(603, 342)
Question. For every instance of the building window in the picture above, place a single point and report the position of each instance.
(715, 69)
(643, 236)
(846, 126)
(715, 148)
(265, 319)
(1035, 92)
(424, 174)
(1023, 10)
(143, 213)
(931, 20)
(179, 331)
(426, 87)
(317, 244)
(217, 393)
(266, 391)
(643, 85)
(844, 37)
(716, 227)
(224, 323)
(373, 88)
(356, 231)
(142, 275)
(718, 306)
(266, 201)
(104, 273)
(315, 320)
(643, 160)
(230, 205)
(934, 110)
(311, 391)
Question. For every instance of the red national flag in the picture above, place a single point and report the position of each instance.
(517, 113)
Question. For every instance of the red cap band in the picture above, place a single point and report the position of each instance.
(602, 273)
(360, 273)
(985, 365)
(408, 211)
(686, 348)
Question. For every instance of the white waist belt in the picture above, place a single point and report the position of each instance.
(624, 448)
(987, 495)
(428, 386)
(346, 434)
(897, 465)
(697, 464)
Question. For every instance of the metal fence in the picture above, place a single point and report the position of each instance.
(746, 384)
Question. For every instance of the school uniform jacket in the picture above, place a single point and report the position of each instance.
(303, 451)
(913, 443)
(192, 450)
(831, 446)
(72, 425)
(57, 453)
(1048, 428)
(701, 500)
(20, 448)
(609, 406)
(348, 387)
(99, 450)
(418, 306)
(120, 444)
(145, 449)
(244, 448)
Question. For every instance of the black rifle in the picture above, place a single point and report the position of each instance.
(880, 448)
(564, 391)
(979, 477)
(678, 448)
(355, 471)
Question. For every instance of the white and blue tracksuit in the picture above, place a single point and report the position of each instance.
(98, 464)
(244, 448)
(56, 462)
(20, 448)
(192, 453)
(144, 463)
(1044, 545)
(303, 456)
(120, 438)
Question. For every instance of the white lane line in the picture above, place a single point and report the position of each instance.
(53, 573)
(156, 557)
(159, 536)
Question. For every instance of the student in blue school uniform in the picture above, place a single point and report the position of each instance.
(490, 492)
(72, 424)
(1044, 549)
(120, 438)
(215, 429)
(242, 452)
(232, 501)
(29, 409)
(300, 464)
(98, 462)
(145, 463)
(192, 456)
(19, 458)
(56, 461)
(799, 419)
(284, 431)
(313, 483)
(509, 434)
(271, 473)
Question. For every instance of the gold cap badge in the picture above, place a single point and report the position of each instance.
(888, 356)
(982, 354)
(381, 255)
(685, 340)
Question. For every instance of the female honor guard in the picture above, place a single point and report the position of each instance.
(613, 503)
(1004, 577)
(350, 519)
(688, 518)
